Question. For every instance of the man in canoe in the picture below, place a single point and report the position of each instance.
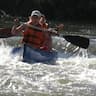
(48, 35)
(44, 24)
(35, 40)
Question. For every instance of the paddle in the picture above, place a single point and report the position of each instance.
(82, 42)
(78, 41)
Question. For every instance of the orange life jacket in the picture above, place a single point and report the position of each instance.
(47, 45)
(33, 37)
(45, 25)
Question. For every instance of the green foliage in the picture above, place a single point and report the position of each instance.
(53, 9)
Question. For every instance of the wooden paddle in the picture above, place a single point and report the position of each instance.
(82, 42)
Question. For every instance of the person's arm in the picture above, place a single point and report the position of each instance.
(18, 29)
(56, 30)
(59, 27)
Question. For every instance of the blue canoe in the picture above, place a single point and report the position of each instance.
(32, 55)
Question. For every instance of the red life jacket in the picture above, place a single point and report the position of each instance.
(47, 45)
(34, 37)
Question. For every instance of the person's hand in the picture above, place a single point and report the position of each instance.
(16, 21)
(60, 27)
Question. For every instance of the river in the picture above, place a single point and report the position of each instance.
(74, 73)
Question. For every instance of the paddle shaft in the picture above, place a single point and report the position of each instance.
(82, 42)
(79, 41)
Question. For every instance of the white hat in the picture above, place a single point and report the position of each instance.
(36, 13)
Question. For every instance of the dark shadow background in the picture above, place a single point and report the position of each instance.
(62, 10)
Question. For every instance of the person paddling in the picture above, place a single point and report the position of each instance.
(34, 39)
(49, 34)
(48, 41)
(31, 36)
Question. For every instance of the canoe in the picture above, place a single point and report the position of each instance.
(32, 55)
(5, 32)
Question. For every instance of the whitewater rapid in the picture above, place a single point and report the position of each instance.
(73, 75)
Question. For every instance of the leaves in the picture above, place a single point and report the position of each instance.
(53, 9)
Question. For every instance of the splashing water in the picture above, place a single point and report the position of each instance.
(73, 75)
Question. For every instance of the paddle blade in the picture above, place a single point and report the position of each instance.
(79, 41)
(5, 32)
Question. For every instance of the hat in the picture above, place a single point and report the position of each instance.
(36, 13)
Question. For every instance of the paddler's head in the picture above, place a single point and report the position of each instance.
(35, 16)
(42, 19)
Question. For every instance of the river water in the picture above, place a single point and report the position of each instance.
(74, 73)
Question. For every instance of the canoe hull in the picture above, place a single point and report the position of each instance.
(5, 32)
(32, 55)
